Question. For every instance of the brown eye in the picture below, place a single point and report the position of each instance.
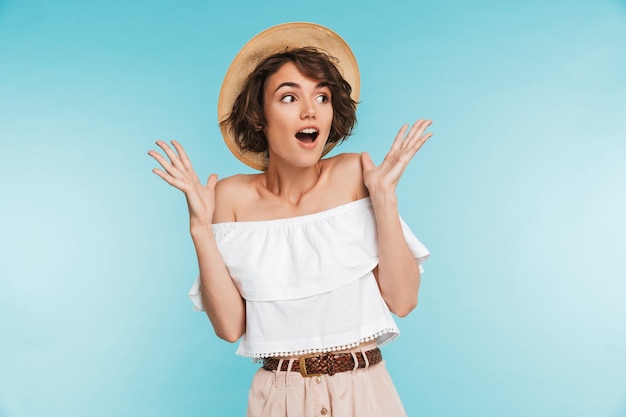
(288, 98)
(322, 98)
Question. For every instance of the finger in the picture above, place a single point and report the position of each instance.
(164, 162)
(366, 162)
(175, 160)
(420, 141)
(422, 126)
(402, 161)
(168, 178)
(211, 182)
(406, 155)
(397, 160)
(396, 145)
(417, 138)
(182, 154)
(416, 132)
(416, 144)
(397, 142)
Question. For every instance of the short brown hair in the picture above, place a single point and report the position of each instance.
(247, 114)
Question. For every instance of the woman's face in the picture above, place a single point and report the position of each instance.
(299, 114)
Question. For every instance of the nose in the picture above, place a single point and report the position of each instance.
(308, 111)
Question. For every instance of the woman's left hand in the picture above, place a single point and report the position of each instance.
(383, 179)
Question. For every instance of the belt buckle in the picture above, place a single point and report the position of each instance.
(303, 371)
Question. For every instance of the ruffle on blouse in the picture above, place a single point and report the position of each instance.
(298, 257)
(382, 337)
(325, 322)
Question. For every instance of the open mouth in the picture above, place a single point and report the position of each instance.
(307, 135)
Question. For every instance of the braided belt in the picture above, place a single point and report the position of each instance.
(325, 363)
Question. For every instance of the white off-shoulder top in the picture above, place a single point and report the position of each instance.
(308, 281)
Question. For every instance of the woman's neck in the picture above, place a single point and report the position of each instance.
(292, 183)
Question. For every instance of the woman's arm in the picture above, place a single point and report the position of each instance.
(221, 299)
(398, 272)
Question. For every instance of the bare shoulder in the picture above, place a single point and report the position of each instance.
(345, 163)
(230, 193)
(345, 170)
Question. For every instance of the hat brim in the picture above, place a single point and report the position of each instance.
(274, 40)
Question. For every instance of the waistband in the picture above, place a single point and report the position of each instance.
(325, 363)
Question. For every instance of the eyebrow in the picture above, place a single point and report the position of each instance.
(296, 85)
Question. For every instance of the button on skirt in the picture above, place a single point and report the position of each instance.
(362, 393)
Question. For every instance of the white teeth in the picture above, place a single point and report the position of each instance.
(308, 130)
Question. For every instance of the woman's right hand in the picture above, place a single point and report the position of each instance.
(180, 174)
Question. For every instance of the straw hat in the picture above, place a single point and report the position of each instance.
(274, 40)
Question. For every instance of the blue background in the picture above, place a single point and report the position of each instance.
(520, 196)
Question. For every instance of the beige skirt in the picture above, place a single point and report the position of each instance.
(365, 392)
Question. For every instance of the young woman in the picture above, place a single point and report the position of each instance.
(305, 260)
